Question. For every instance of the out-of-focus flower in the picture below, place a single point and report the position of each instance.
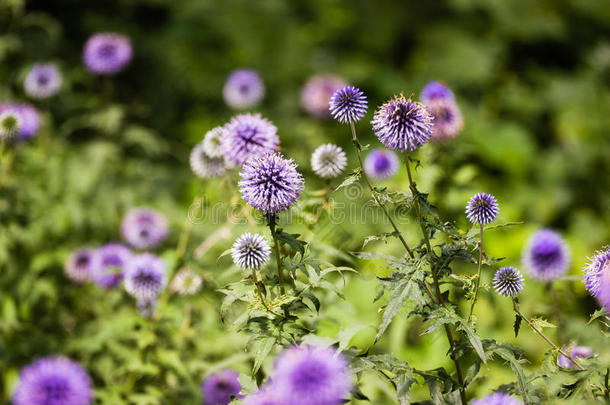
(205, 166)
(265, 396)
(574, 352)
(508, 281)
(328, 161)
(186, 282)
(107, 53)
(212, 142)
(113, 258)
(447, 119)
(546, 256)
(218, 388)
(10, 123)
(597, 270)
(30, 121)
(436, 91)
(243, 89)
(482, 209)
(144, 228)
(145, 277)
(317, 92)
(499, 398)
(250, 251)
(42, 81)
(247, 136)
(348, 104)
(81, 263)
(381, 164)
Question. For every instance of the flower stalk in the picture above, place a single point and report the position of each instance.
(478, 282)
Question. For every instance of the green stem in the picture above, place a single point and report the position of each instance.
(271, 218)
(259, 288)
(478, 283)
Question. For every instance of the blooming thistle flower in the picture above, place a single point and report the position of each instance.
(243, 89)
(499, 398)
(81, 263)
(597, 270)
(270, 183)
(546, 256)
(381, 164)
(186, 282)
(264, 396)
(482, 209)
(317, 92)
(328, 161)
(348, 104)
(30, 121)
(53, 381)
(402, 124)
(113, 258)
(107, 53)
(218, 388)
(144, 228)
(310, 375)
(249, 135)
(42, 81)
(448, 121)
(205, 166)
(250, 251)
(574, 353)
(508, 281)
(435, 91)
(10, 123)
(212, 142)
(145, 277)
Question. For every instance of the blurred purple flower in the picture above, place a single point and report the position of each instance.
(317, 92)
(42, 81)
(436, 91)
(546, 256)
(381, 164)
(107, 53)
(447, 119)
(113, 258)
(499, 398)
(265, 396)
(218, 388)
(145, 277)
(144, 228)
(81, 263)
(249, 135)
(574, 353)
(243, 89)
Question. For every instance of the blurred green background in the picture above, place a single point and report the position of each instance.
(531, 77)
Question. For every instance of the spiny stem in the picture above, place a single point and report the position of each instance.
(476, 288)
(366, 179)
(271, 218)
(538, 331)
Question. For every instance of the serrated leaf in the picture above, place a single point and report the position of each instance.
(261, 349)
(542, 323)
(350, 179)
(292, 240)
(404, 290)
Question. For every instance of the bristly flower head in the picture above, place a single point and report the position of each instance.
(348, 104)
(186, 282)
(53, 381)
(482, 209)
(436, 91)
(243, 89)
(499, 398)
(381, 164)
(310, 375)
(317, 92)
(145, 277)
(144, 228)
(597, 270)
(205, 166)
(546, 256)
(107, 53)
(218, 388)
(113, 258)
(508, 281)
(574, 352)
(212, 142)
(10, 123)
(270, 183)
(402, 124)
(249, 135)
(265, 396)
(81, 263)
(328, 161)
(448, 121)
(250, 251)
(42, 81)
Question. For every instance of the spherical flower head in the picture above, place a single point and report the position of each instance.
(435, 91)
(448, 121)
(402, 124)
(113, 258)
(310, 375)
(596, 270)
(10, 123)
(217, 389)
(265, 396)
(145, 277)
(348, 104)
(81, 264)
(144, 228)
(205, 166)
(30, 121)
(499, 398)
(508, 281)
(186, 282)
(250, 251)
(243, 89)
(212, 142)
(317, 92)
(328, 161)
(107, 53)
(42, 81)
(249, 135)
(574, 352)
(482, 209)
(53, 381)
(546, 256)
(381, 164)
(270, 183)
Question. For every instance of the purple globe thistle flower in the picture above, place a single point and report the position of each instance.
(596, 270)
(435, 91)
(113, 257)
(574, 352)
(144, 228)
(186, 282)
(499, 398)
(250, 251)
(402, 124)
(30, 121)
(546, 256)
(381, 164)
(508, 281)
(448, 121)
(218, 388)
(328, 161)
(10, 123)
(53, 381)
(265, 396)
(309, 375)
(348, 104)
(482, 209)
(145, 277)
(212, 142)
(205, 166)
(249, 135)
(42, 81)
(270, 183)
(243, 89)
(81, 263)
(107, 53)
(317, 92)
